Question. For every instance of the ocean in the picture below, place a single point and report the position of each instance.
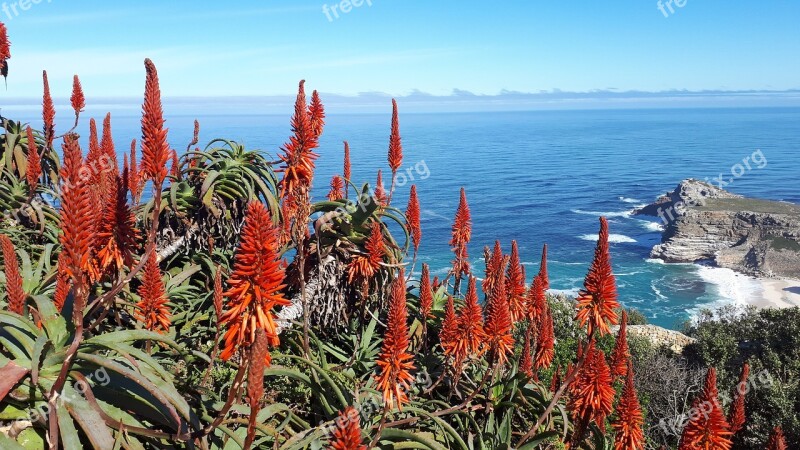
(546, 177)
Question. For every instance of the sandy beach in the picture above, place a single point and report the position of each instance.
(777, 293)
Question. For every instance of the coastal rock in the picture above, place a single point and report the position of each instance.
(706, 223)
(660, 337)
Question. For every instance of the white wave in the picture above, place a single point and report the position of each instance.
(730, 286)
(603, 214)
(629, 274)
(652, 226)
(630, 200)
(657, 291)
(613, 238)
(552, 261)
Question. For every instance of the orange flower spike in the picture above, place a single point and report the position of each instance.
(710, 430)
(109, 153)
(736, 415)
(155, 149)
(78, 235)
(499, 326)
(347, 169)
(449, 330)
(255, 286)
(395, 146)
(380, 191)
(777, 441)
(592, 392)
(347, 434)
(621, 354)
(394, 362)
(134, 176)
(461, 235)
(537, 300)
(34, 170)
(597, 302)
(77, 99)
(316, 113)
(515, 284)
(413, 217)
(545, 344)
(337, 188)
(152, 310)
(15, 294)
(425, 293)
(543, 269)
(298, 155)
(627, 425)
(471, 333)
(48, 112)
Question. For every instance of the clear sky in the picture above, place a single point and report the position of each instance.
(222, 48)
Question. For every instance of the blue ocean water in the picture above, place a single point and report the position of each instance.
(546, 177)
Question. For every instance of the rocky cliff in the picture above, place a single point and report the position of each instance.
(705, 223)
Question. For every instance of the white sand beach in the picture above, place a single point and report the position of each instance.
(777, 293)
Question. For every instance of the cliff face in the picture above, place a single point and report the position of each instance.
(757, 237)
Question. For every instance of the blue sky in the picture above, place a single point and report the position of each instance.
(205, 48)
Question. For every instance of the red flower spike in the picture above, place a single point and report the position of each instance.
(470, 335)
(109, 153)
(258, 355)
(365, 267)
(543, 269)
(449, 330)
(218, 293)
(5, 45)
(337, 188)
(298, 154)
(493, 260)
(63, 284)
(394, 362)
(413, 218)
(380, 191)
(555, 381)
(627, 425)
(347, 169)
(515, 285)
(316, 113)
(537, 300)
(34, 170)
(347, 434)
(255, 287)
(736, 415)
(15, 294)
(597, 302)
(395, 146)
(77, 99)
(777, 441)
(545, 344)
(425, 294)
(117, 233)
(710, 430)
(78, 235)
(498, 320)
(48, 112)
(461, 235)
(621, 354)
(526, 360)
(135, 176)
(592, 392)
(152, 310)
(155, 149)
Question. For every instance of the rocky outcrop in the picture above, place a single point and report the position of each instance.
(660, 337)
(705, 223)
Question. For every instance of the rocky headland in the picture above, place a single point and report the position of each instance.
(704, 223)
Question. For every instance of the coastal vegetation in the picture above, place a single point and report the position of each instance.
(203, 299)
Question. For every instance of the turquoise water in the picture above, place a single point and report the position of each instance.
(545, 177)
